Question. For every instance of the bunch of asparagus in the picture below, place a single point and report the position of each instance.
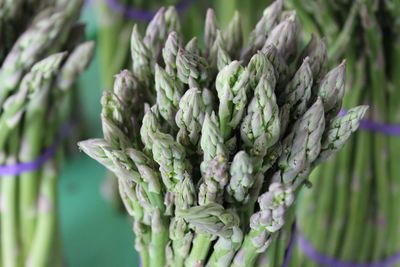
(42, 56)
(211, 146)
(351, 214)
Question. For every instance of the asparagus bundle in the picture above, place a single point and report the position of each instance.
(211, 146)
(43, 56)
(351, 214)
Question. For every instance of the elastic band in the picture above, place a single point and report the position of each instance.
(324, 260)
(143, 15)
(289, 249)
(19, 168)
(372, 126)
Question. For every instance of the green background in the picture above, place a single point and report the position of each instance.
(94, 233)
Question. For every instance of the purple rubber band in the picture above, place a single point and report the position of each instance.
(144, 15)
(19, 168)
(388, 129)
(87, 3)
(324, 260)
(289, 249)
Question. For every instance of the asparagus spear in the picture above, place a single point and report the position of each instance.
(190, 118)
(378, 80)
(170, 52)
(260, 128)
(231, 84)
(242, 177)
(141, 57)
(210, 31)
(233, 36)
(264, 223)
(192, 69)
(9, 218)
(263, 27)
(393, 112)
(215, 177)
(180, 233)
(168, 94)
(210, 219)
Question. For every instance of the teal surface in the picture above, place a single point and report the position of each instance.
(93, 232)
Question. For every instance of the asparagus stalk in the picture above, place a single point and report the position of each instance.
(393, 118)
(374, 36)
(9, 218)
(264, 223)
(180, 233)
(214, 168)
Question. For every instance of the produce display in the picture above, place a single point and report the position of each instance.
(42, 52)
(211, 143)
(351, 214)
